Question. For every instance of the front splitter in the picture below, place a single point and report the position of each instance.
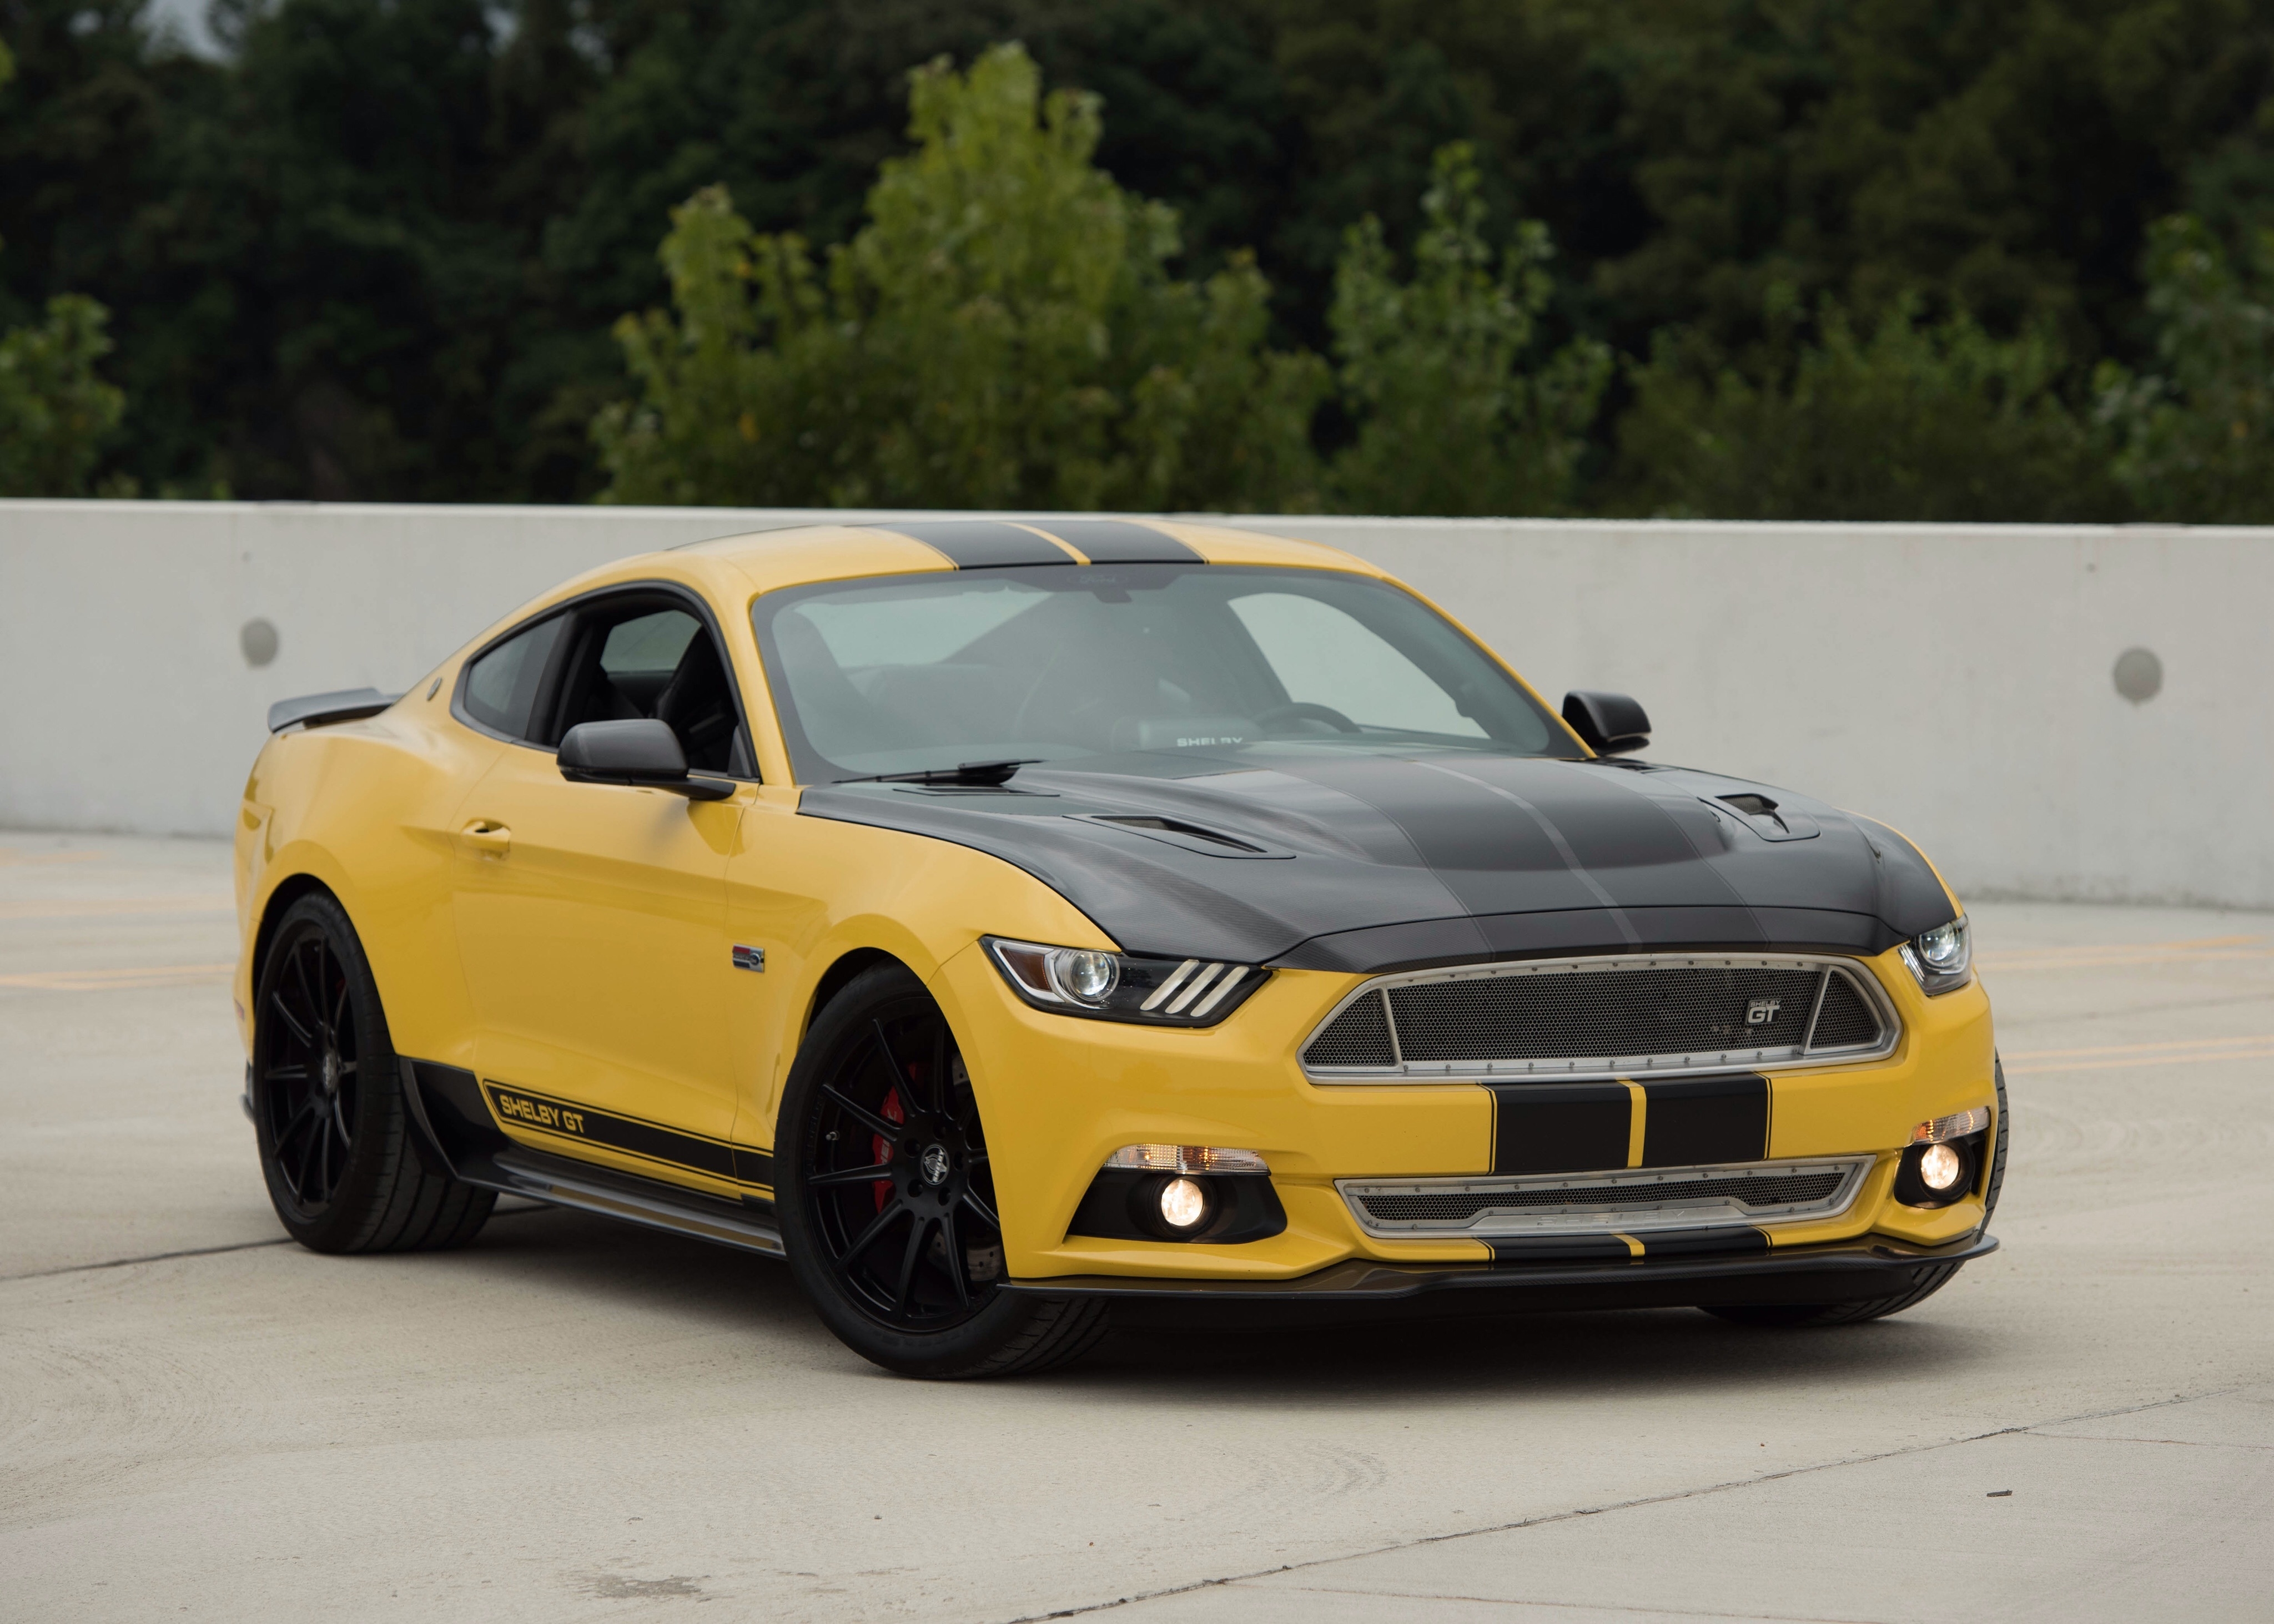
(1847, 1272)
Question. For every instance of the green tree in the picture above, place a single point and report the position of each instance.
(1460, 408)
(1002, 332)
(54, 409)
(1920, 421)
(2197, 434)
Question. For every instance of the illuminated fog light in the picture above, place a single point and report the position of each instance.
(1186, 1159)
(1956, 1127)
(1183, 1204)
(1941, 1169)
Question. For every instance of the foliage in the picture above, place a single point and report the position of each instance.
(1916, 421)
(2197, 434)
(1002, 333)
(54, 410)
(1459, 411)
(377, 251)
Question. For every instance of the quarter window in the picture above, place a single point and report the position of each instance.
(501, 686)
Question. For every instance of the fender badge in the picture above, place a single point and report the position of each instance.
(750, 958)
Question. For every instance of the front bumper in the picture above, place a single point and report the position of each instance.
(1060, 1096)
(1858, 1271)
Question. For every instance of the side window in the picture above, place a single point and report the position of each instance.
(635, 659)
(501, 686)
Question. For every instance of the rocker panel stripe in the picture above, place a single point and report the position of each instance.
(523, 1107)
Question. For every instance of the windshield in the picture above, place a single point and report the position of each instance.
(908, 672)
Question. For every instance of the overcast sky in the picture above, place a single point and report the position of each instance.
(188, 18)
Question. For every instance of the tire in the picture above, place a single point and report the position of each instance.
(886, 1197)
(328, 1110)
(1793, 1314)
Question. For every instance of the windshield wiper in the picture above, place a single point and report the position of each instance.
(988, 773)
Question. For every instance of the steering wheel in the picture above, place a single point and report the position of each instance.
(1303, 709)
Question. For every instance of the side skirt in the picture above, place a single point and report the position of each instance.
(456, 1130)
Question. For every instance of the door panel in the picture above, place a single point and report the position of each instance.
(592, 922)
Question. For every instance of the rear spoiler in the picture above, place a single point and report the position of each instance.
(315, 709)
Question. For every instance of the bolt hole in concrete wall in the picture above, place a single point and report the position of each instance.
(257, 639)
(2139, 675)
(1951, 681)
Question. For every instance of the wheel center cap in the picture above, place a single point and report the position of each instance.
(331, 1072)
(935, 1164)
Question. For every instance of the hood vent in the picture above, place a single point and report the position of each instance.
(1176, 831)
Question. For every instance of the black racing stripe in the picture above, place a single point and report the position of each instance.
(1558, 1249)
(1560, 1127)
(525, 1109)
(1692, 1121)
(982, 544)
(1116, 541)
(1693, 1243)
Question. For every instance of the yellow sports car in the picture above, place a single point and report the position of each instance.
(1019, 925)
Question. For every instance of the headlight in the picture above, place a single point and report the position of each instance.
(1942, 957)
(1082, 981)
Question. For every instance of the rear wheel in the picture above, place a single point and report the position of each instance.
(1928, 1283)
(887, 1197)
(327, 1103)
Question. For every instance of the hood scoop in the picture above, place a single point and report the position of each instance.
(1764, 818)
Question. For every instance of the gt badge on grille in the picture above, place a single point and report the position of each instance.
(1760, 1011)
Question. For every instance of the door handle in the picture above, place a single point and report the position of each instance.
(484, 835)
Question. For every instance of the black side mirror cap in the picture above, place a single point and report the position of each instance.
(1611, 724)
(642, 753)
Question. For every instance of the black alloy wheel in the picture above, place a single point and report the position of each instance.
(888, 1205)
(898, 1179)
(308, 1071)
(329, 1107)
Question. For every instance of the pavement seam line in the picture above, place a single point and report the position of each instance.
(155, 1256)
(1592, 1606)
(204, 1252)
(1625, 1505)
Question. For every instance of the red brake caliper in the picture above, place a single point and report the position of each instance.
(891, 1110)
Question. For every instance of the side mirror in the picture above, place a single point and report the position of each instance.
(1611, 724)
(643, 753)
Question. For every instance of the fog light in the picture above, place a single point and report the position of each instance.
(1183, 1204)
(1941, 1169)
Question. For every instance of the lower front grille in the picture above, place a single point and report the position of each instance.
(1634, 1199)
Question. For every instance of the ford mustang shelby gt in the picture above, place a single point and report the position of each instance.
(1015, 924)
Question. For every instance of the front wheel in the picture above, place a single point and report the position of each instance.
(887, 1197)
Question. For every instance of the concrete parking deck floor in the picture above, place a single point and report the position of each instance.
(576, 1421)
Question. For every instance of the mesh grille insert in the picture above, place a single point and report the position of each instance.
(1845, 1021)
(1451, 1205)
(1601, 1015)
(1671, 1010)
(1358, 1036)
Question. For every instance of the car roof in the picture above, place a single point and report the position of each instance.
(807, 554)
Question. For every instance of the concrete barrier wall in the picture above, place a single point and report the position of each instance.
(1955, 681)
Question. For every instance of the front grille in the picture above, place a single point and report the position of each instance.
(1608, 1017)
(1634, 1200)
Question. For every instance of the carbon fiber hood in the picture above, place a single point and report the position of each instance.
(1343, 859)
